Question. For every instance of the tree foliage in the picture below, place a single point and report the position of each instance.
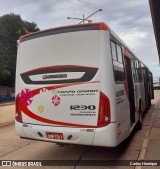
(11, 28)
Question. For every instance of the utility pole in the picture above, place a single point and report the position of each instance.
(85, 19)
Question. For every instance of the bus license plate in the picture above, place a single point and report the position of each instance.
(57, 136)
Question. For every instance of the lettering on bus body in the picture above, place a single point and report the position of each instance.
(88, 110)
(119, 96)
(77, 92)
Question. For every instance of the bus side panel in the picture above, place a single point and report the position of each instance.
(118, 129)
(123, 113)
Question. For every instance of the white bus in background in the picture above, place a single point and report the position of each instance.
(79, 84)
(156, 82)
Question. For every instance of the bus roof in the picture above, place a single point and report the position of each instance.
(65, 29)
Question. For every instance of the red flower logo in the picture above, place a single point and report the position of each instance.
(56, 100)
(26, 97)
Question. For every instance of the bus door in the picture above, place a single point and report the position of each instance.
(130, 89)
(148, 79)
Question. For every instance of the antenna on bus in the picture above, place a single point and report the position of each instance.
(85, 19)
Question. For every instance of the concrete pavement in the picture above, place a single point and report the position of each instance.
(7, 113)
(153, 136)
(151, 144)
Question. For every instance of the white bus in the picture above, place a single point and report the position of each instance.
(156, 82)
(79, 84)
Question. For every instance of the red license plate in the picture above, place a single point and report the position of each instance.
(57, 136)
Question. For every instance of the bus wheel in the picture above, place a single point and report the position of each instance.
(139, 124)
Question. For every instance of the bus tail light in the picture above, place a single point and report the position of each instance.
(18, 111)
(104, 111)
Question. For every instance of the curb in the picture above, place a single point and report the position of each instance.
(6, 104)
(6, 124)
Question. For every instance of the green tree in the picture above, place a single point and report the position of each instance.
(11, 28)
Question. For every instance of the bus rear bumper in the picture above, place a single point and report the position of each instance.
(70, 135)
(105, 136)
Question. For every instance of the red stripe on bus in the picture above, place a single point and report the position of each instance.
(26, 111)
(41, 119)
(58, 67)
